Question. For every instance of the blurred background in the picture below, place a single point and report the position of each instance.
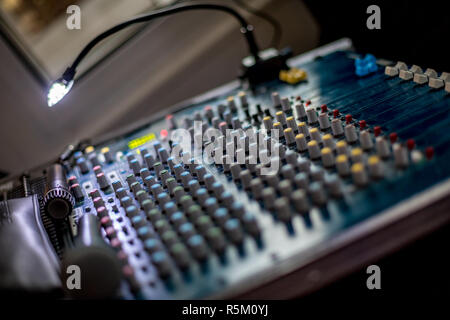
(127, 77)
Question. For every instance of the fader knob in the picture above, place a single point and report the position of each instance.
(72, 180)
(163, 154)
(318, 193)
(324, 121)
(198, 247)
(315, 135)
(131, 179)
(243, 99)
(126, 201)
(312, 115)
(282, 209)
(267, 121)
(327, 157)
(116, 185)
(350, 133)
(336, 127)
(234, 230)
(356, 155)
(301, 180)
(135, 187)
(382, 147)
(289, 136)
(82, 165)
(291, 123)
(162, 263)
(276, 100)
(135, 166)
(300, 200)
(281, 117)
(328, 141)
(121, 192)
(141, 196)
(201, 195)
(341, 147)
(77, 191)
(193, 186)
(287, 171)
(231, 104)
(238, 210)
(94, 159)
(149, 160)
(400, 155)
(102, 181)
(236, 123)
(285, 104)
(303, 165)
(285, 188)
(313, 149)
(94, 194)
(98, 202)
(375, 167)
(342, 165)
(269, 197)
(171, 122)
(300, 109)
(365, 140)
(301, 143)
(359, 174)
(109, 157)
(216, 239)
(333, 185)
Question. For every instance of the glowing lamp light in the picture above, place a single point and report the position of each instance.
(58, 91)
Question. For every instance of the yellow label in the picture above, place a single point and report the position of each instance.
(133, 144)
(89, 149)
(293, 75)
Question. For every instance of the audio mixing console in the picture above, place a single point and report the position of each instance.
(285, 188)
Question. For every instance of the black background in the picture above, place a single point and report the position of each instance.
(416, 32)
(421, 270)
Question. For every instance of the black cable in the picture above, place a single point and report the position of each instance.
(246, 29)
(277, 28)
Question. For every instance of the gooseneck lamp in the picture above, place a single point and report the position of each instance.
(61, 87)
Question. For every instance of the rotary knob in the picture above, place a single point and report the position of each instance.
(58, 200)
